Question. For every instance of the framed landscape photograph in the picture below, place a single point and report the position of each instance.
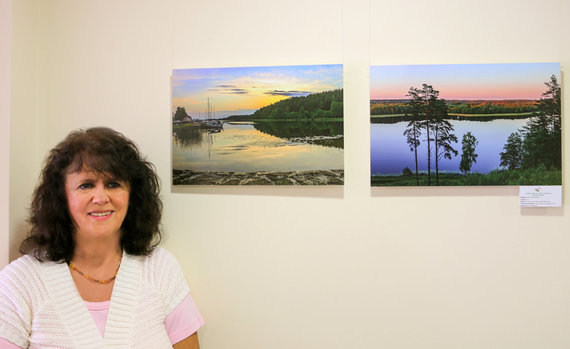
(278, 125)
(465, 124)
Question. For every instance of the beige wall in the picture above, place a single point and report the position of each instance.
(310, 267)
(5, 65)
(24, 114)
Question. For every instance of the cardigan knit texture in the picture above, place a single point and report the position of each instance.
(40, 306)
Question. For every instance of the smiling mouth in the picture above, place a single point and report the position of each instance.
(100, 214)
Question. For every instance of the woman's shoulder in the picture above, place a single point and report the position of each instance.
(25, 266)
(159, 257)
(164, 274)
(22, 279)
(158, 263)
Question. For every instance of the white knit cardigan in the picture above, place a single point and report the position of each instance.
(40, 306)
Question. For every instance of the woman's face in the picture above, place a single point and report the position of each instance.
(97, 204)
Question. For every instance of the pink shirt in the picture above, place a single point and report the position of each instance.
(181, 323)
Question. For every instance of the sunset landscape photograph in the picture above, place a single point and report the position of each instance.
(465, 124)
(278, 125)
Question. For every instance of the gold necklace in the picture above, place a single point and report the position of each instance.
(91, 278)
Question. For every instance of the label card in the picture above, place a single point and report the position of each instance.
(540, 196)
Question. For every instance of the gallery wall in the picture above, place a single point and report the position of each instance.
(25, 157)
(309, 267)
(5, 55)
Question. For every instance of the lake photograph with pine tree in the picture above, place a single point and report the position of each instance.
(466, 125)
(258, 126)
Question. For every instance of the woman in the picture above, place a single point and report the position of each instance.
(92, 276)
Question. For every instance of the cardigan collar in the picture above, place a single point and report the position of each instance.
(75, 314)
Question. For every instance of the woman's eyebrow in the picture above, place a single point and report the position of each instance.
(83, 179)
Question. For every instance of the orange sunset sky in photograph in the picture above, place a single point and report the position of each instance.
(464, 81)
(241, 91)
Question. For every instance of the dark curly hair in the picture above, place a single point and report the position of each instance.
(104, 151)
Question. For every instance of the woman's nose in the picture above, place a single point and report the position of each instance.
(100, 195)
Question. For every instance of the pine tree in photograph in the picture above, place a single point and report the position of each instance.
(429, 96)
(422, 108)
(413, 131)
(512, 155)
(542, 134)
(539, 142)
(443, 134)
(468, 155)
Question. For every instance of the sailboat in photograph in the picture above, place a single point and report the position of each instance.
(211, 123)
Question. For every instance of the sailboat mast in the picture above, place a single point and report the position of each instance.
(209, 110)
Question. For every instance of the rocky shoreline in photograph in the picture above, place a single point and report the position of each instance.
(309, 177)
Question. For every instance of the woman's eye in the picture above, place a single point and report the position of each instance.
(86, 186)
(113, 185)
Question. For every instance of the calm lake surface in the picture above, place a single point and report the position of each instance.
(390, 153)
(245, 147)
